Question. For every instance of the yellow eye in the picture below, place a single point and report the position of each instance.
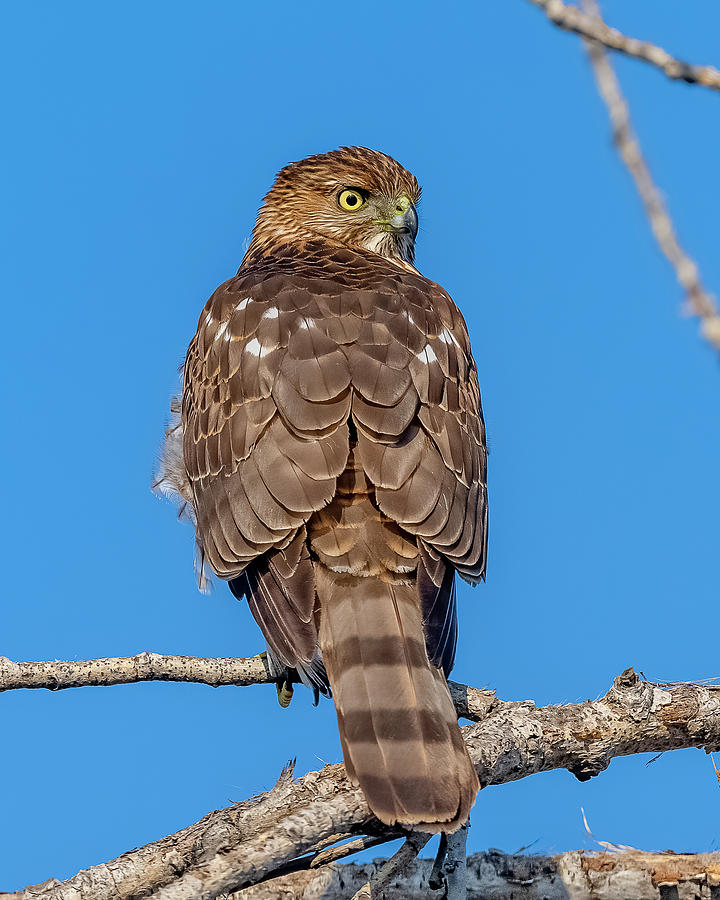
(350, 200)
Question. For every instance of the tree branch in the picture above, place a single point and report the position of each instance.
(471, 703)
(629, 875)
(572, 19)
(392, 868)
(58, 675)
(252, 841)
(455, 868)
(700, 302)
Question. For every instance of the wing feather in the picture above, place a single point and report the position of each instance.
(285, 354)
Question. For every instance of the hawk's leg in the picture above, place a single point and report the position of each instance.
(285, 677)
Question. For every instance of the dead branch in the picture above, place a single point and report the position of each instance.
(700, 302)
(572, 19)
(59, 674)
(375, 886)
(248, 843)
(455, 868)
(471, 703)
(632, 875)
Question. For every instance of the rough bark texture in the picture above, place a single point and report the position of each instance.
(59, 674)
(391, 869)
(56, 675)
(312, 805)
(234, 848)
(495, 876)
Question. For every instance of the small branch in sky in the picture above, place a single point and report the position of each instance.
(58, 674)
(55, 675)
(700, 302)
(572, 19)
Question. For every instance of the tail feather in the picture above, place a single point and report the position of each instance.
(398, 726)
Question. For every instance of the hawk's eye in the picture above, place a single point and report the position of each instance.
(350, 200)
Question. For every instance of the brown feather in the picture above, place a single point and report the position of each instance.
(397, 723)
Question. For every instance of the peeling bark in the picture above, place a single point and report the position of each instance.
(495, 876)
(280, 830)
(60, 674)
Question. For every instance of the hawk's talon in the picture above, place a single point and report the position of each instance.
(284, 692)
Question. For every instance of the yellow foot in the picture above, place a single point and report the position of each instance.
(285, 694)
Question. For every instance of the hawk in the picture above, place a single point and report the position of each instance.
(329, 446)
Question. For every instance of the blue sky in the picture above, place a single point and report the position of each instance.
(142, 137)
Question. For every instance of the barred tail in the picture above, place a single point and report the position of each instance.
(397, 723)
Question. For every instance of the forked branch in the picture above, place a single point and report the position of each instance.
(700, 302)
(572, 19)
(285, 829)
(617, 875)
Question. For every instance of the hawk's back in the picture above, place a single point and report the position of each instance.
(335, 449)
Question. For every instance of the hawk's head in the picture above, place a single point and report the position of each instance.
(358, 197)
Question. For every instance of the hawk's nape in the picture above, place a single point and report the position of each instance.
(332, 448)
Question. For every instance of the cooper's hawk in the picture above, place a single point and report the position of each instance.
(331, 451)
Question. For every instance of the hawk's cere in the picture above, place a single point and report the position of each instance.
(331, 451)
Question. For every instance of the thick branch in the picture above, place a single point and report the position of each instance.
(572, 19)
(497, 876)
(700, 302)
(240, 846)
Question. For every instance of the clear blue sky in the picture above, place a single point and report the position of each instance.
(140, 138)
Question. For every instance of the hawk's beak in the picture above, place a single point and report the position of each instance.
(402, 218)
(405, 222)
(405, 219)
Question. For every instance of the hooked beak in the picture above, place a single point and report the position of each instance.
(402, 219)
(405, 222)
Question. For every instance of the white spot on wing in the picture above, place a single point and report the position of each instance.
(256, 348)
(427, 355)
(243, 303)
(447, 337)
(222, 331)
(271, 312)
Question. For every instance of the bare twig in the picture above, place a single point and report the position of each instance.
(60, 674)
(700, 302)
(572, 19)
(393, 867)
(333, 854)
(237, 847)
(471, 703)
